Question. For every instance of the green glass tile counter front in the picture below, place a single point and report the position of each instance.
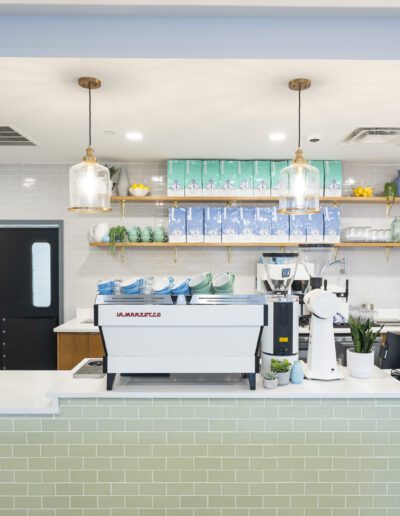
(187, 457)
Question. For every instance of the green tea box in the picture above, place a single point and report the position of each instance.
(210, 177)
(193, 181)
(320, 166)
(333, 178)
(176, 169)
(262, 178)
(245, 179)
(228, 177)
(276, 167)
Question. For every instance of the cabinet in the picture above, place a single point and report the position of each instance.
(74, 347)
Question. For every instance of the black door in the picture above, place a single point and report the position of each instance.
(29, 296)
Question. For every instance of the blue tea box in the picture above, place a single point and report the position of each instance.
(321, 167)
(230, 224)
(262, 178)
(195, 224)
(245, 179)
(176, 169)
(315, 227)
(210, 176)
(193, 181)
(263, 218)
(297, 228)
(279, 226)
(228, 177)
(177, 225)
(331, 224)
(247, 224)
(333, 178)
(212, 224)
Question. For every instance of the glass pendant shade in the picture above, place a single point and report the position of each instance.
(299, 187)
(89, 186)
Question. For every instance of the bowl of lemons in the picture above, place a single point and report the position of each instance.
(363, 191)
(139, 189)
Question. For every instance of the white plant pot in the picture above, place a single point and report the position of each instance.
(283, 378)
(271, 384)
(360, 365)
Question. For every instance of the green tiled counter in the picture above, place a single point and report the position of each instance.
(203, 457)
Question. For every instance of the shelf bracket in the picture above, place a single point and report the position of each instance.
(229, 204)
(389, 205)
(176, 204)
(387, 252)
(335, 253)
(336, 204)
(229, 254)
(175, 254)
(122, 253)
(282, 249)
(123, 206)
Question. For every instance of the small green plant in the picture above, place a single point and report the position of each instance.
(117, 234)
(363, 334)
(270, 375)
(280, 366)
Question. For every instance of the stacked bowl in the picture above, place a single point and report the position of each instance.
(201, 283)
(132, 286)
(181, 287)
(106, 288)
(164, 286)
(223, 283)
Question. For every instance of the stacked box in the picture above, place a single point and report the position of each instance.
(331, 224)
(212, 224)
(276, 167)
(176, 169)
(195, 224)
(263, 219)
(210, 177)
(230, 224)
(314, 228)
(245, 179)
(297, 228)
(228, 177)
(193, 180)
(177, 225)
(320, 166)
(333, 178)
(262, 178)
(247, 225)
(279, 226)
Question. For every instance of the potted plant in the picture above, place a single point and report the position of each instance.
(282, 368)
(118, 234)
(270, 380)
(360, 358)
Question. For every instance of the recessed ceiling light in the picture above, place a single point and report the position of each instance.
(277, 137)
(134, 136)
(109, 133)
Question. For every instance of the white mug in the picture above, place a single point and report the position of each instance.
(98, 231)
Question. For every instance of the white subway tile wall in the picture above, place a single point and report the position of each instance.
(40, 191)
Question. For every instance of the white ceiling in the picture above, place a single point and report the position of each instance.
(204, 7)
(195, 108)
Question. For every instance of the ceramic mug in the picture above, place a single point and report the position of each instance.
(98, 231)
(224, 281)
(204, 290)
(200, 280)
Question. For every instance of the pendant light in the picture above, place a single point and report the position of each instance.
(299, 182)
(89, 182)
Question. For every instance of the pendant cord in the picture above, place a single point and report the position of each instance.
(90, 116)
(299, 121)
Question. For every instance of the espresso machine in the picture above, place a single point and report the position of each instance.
(280, 338)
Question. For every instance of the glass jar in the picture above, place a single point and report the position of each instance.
(395, 229)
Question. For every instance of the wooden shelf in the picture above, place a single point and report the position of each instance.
(168, 199)
(240, 244)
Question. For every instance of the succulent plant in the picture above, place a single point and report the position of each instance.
(270, 375)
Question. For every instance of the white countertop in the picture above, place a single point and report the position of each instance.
(39, 392)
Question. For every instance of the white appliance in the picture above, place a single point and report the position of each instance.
(179, 334)
(321, 358)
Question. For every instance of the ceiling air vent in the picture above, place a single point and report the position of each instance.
(11, 137)
(374, 136)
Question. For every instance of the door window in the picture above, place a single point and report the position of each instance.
(41, 274)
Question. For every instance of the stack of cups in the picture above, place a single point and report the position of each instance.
(201, 283)
(223, 283)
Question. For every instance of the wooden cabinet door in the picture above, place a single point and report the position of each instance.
(74, 347)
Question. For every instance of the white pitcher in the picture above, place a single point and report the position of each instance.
(98, 231)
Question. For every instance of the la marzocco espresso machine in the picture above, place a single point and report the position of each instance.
(280, 338)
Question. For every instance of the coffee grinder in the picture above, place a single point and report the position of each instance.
(280, 338)
(322, 305)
